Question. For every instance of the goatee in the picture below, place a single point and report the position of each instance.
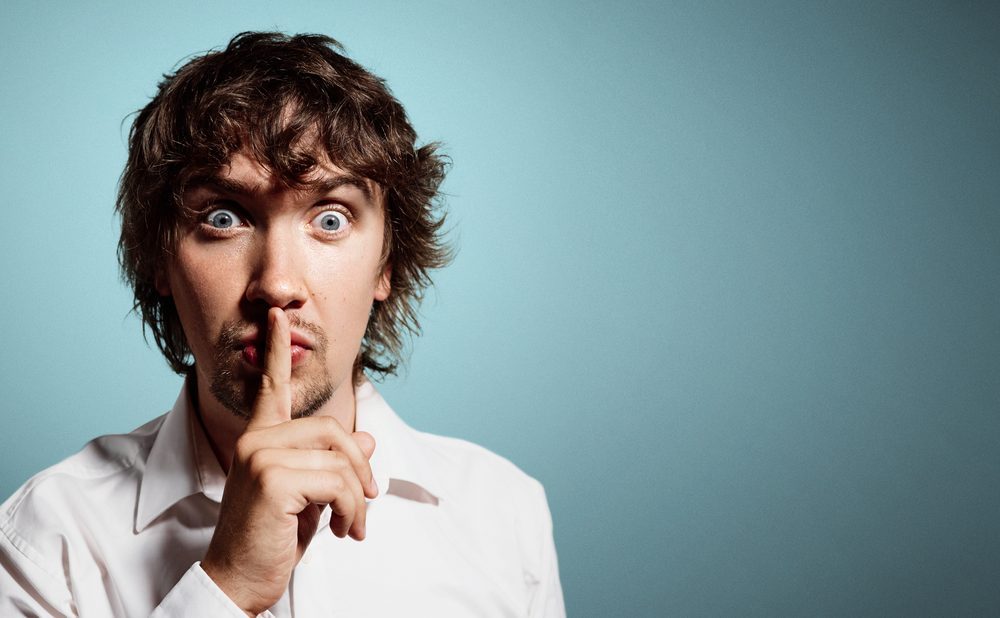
(237, 391)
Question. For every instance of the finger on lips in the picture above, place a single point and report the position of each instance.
(274, 399)
(317, 451)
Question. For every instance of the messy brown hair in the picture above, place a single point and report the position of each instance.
(281, 99)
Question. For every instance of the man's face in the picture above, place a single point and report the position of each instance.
(254, 244)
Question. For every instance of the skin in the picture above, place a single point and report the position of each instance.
(261, 261)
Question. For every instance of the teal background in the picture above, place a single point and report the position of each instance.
(727, 281)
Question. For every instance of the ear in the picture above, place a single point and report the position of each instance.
(161, 281)
(384, 285)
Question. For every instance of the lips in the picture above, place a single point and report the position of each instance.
(252, 348)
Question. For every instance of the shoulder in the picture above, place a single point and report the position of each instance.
(485, 496)
(459, 470)
(467, 466)
(100, 461)
(485, 490)
(497, 511)
(86, 488)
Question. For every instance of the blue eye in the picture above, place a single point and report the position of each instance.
(330, 221)
(223, 219)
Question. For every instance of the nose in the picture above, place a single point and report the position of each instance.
(278, 273)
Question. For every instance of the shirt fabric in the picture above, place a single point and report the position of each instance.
(118, 529)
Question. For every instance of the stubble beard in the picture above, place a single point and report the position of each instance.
(237, 391)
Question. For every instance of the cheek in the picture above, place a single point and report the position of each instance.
(203, 298)
(209, 271)
(344, 298)
(348, 277)
(194, 314)
(195, 287)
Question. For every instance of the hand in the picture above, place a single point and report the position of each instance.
(284, 472)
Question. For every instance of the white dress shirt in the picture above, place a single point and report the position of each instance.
(119, 528)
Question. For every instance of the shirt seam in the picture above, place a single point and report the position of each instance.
(24, 547)
(82, 472)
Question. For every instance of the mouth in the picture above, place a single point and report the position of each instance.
(251, 347)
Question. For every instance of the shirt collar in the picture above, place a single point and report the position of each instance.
(181, 462)
(401, 462)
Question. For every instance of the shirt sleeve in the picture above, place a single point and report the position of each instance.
(27, 589)
(197, 595)
(547, 601)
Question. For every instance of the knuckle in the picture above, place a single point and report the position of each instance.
(267, 383)
(256, 463)
(337, 483)
(268, 479)
(330, 425)
(245, 447)
(338, 461)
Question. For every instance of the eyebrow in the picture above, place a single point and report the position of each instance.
(323, 185)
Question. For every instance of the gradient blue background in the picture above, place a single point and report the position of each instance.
(727, 281)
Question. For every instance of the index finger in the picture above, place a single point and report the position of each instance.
(274, 398)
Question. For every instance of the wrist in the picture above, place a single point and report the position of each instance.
(228, 583)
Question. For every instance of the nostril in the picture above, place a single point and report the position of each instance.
(285, 293)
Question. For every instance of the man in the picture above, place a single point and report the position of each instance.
(278, 228)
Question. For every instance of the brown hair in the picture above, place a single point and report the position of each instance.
(280, 98)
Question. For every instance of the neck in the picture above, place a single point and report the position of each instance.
(223, 427)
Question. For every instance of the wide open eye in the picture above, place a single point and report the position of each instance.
(223, 219)
(331, 221)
